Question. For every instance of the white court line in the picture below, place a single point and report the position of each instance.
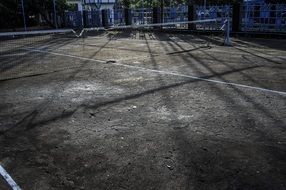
(9, 179)
(13, 54)
(4, 34)
(164, 72)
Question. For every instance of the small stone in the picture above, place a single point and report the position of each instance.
(70, 183)
(170, 167)
(111, 61)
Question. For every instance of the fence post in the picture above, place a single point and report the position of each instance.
(236, 17)
(55, 14)
(127, 16)
(23, 13)
(85, 18)
(161, 11)
(191, 16)
(104, 18)
(156, 15)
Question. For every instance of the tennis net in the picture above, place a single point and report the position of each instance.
(38, 52)
(23, 53)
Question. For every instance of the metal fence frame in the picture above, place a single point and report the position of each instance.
(254, 17)
(142, 16)
(264, 17)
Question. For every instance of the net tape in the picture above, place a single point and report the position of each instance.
(224, 28)
(28, 44)
(36, 32)
(39, 32)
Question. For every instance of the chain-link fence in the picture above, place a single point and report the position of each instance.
(219, 12)
(19, 15)
(264, 17)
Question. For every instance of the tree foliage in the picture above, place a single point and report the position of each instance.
(11, 11)
(154, 3)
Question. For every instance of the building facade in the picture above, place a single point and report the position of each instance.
(92, 4)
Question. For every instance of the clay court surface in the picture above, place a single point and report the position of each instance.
(141, 110)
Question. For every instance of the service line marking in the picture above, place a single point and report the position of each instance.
(9, 179)
(164, 72)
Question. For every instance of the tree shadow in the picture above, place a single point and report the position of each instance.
(29, 121)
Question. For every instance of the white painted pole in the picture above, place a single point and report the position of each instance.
(227, 40)
(55, 14)
(23, 13)
(205, 7)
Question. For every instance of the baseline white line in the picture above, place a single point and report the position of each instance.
(65, 55)
(9, 179)
(165, 72)
(34, 32)
(13, 55)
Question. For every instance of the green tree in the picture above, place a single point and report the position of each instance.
(157, 3)
(11, 11)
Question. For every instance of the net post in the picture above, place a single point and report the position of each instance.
(23, 14)
(227, 40)
(55, 14)
(191, 17)
(80, 13)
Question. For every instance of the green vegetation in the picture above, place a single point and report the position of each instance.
(157, 3)
(11, 12)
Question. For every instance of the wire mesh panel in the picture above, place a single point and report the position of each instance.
(142, 16)
(219, 12)
(93, 18)
(119, 19)
(264, 17)
(74, 19)
(110, 16)
(169, 14)
(176, 14)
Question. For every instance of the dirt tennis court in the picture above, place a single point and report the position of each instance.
(141, 110)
